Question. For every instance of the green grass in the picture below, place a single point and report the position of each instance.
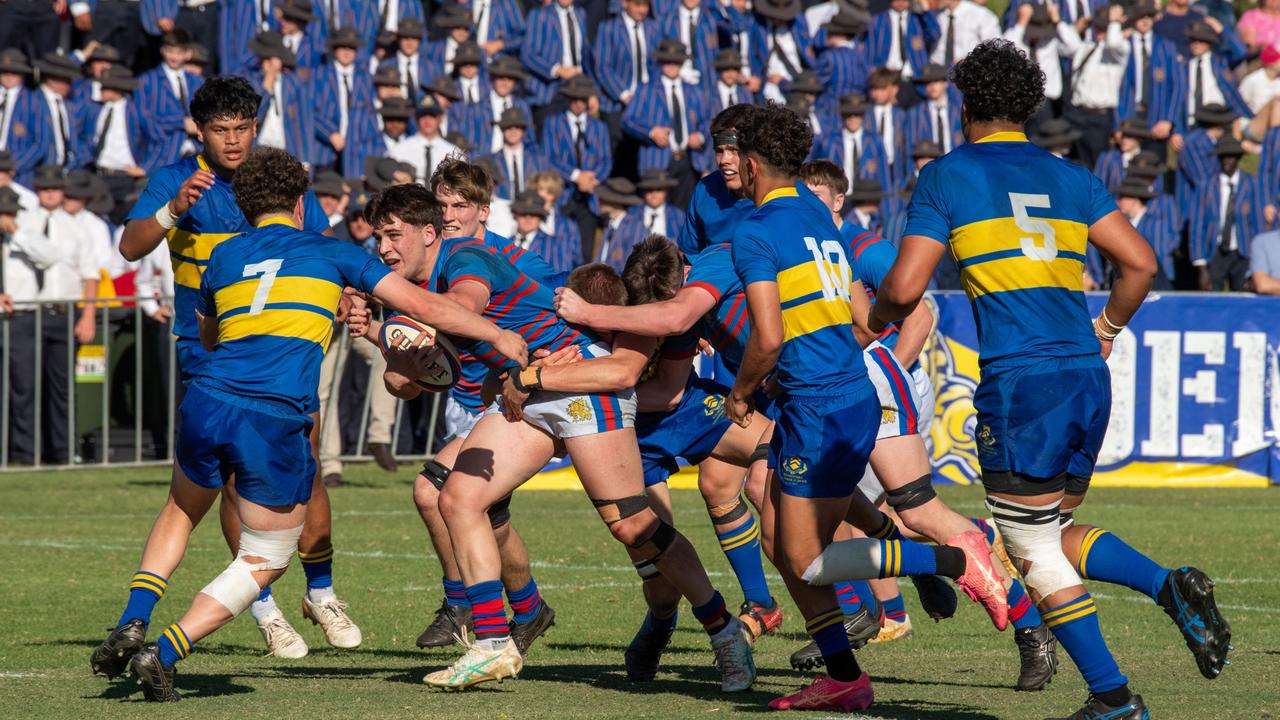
(72, 540)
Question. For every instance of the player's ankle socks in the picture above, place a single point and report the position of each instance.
(741, 546)
(1116, 698)
(488, 616)
(318, 567)
(712, 614)
(848, 596)
(524, 602)
(1075, 625)
(145, 590)
(1022, 612)
(894, 608)
(827, 631)
(265, 606)
(493, 644)
(902, 558)
(455, 593)
(319, 595)
(173, 645)
(1105, 557)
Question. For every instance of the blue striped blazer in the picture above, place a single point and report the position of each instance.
(152, 147)
(922, 33)
(543, 48)
(560, 149)
(920, 125)
(759, 49)
(704, 48)
(361, 139)
(29, 138)
(1222, 76)
(901, 152)
(631, 231)
(563, 249)
(843, 70)
(614, 51)
(1205, 232)
(871, 161)
(299, 115)
(740, 94)
(649, 110)
(236, 27)
(532, 160)
(1197, 163)
(155, 98)
(1168, 83)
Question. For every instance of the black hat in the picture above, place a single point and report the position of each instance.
(807, 82)
(387, 76)
(410, 28)
(505, 66)
(452, 16)
(119, 77)
(428, 105)
(1147, 164)
(445, 86)
(865, 190)
(618, 191)
(784, 10)
(10, 203)
(1040, 27)
(1214, 115)
(344, 37)
(1200, 31)
(926, 149)
(397, 108)
(59, 66)
(728, 59)
(356, 203)
(1055, 132)
(379, 172)
(578, 87)
(298, 11)
(513, 117)
(105, 53)
(329, 183)
(1228, 146)
(468, 53)
(199, 54)
(270, 44)
(1135, 128)
(80, 184)
(529, 202)
(671, 51)
(49, 177)
(848, 23)
(800, 105)
(7, 163)
(656, 180)
(1141, 9)
(459, 140)
(386, 39)
(853, 104)
(14, 60)
(486, 163)
(176, 37)
(1135, 187)
(932, 73)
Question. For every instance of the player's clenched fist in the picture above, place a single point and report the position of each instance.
(739, 409)
(570, 306)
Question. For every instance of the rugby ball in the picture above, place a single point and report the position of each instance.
(402, 332)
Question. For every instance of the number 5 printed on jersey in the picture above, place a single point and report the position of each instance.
(1048, 250)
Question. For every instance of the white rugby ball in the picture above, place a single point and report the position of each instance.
(402, 332)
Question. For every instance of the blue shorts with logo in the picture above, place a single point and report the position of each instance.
(1042, 419)
(821, 444)
(264, 444)
(691, 431)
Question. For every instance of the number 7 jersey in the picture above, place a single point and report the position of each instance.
(1017, 221)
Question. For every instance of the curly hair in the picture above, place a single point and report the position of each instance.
(412, 203)
(598, 284)
(732, 117)
(999, 82)
(778, 137)
(654, 271)
(470, 180)
(224, 97)
(269, 181)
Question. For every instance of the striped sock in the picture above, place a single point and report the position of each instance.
(888, 530)
(741, 546)
(145, 590)
(1105, 557)
(488, 616)
(848, 596)
(900, 558)
(827, 631)
(895, 609)
(1022, 612)
(173, 645)
(524, 602)
(455, 593)
(712, 614)
(1075, 624)
(318, 567)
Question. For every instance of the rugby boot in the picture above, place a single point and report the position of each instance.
(1095, 709)
(281, 639)
(645, 651)
(451, 622)
(732, 646)
(893, 630)
(980, 581)
(937, 597)
(1038, 654)
(760, 619)
(825, 693)
(1187, 598)
(111, 658)
(523, 634)
(331, 615)
(478, 665)
(156, 679)
(859, 627)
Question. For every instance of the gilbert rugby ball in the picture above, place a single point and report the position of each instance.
(402, 332)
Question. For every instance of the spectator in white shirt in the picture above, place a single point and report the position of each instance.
(425, 150)
(1260, 86)
(963, 24)
(1097, 70)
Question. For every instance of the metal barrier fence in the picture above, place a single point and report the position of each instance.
(39, 350)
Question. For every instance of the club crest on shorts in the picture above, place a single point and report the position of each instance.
(713, 406)
(888, 416)
(793, 469)
(985, 436)
(579, 410)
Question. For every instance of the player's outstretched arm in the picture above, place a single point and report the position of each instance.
(615, 373)
(659, 319)
(905, 282)
(1135, 265)
(763, 348)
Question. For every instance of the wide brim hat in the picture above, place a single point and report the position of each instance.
(783, 10)
(7, 163)
(529, 202)
(199, 55)
(79, 185)
(728, 59)
(14, 60)
(344, 37)
(1215, 115)
(578, 87)
(105, 53)
(507, 67)
(387, 76)
(1141, 9)
(428, 105)
(379, 172)
(1135, 128)
(1055, 133)
(396, 108)
(932, 73)
(102, 202)
(298, 11)
(1200, 31)
(445, 86)
(926, 149)
(807, 82)
(618, 191)
(847, 23)
(48, 177)
(59, 66)
(1135, 187)
(513, 117)
(119, 78)
(671, 51)
(866, 190)
(468, 53)
(1228, 147)
(853, 104)
(176, 37)
(329, 183)
(270, 44)
(1040, 27)
(452, 16)
(10, 203)
(410, 28)
(656, 180)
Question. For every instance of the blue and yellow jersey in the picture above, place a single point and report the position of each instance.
(213, 219)
(1017, 220)
(274, 291)
(713, 215)
(792, 241)
(726, 327)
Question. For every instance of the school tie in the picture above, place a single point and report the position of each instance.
(1145, 100)
(902, 39)
(4, 112)
(851, 170)
(62, 130)
(940, 128)
(382, 14)
(480, 18)
(1228, 225)
(426, 176)
(677, 117)
(573, 38)
(580, 143)
(334, 15)
(101, 143)
(639, 74)
(516, 184)
(950, 57)
(1198, 81)
(182, 91)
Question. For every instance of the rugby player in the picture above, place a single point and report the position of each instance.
(265, 310)
(1018, 220)
(191, 205)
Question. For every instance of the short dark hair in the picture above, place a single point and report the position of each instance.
(654, 271)
(598, 284)
(412, 203)
(778, 137)
(732, 117)
(999, 83)
(470, 180)
(225, 97)
(825, 173)
(883, 77)
(269, 181)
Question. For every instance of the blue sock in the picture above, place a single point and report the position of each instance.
(1075, 624)
(895, 609)
(488, 615)
(827, 631)
(887, 530)
(899, 558)
(666, 623)
(525, 602)
(318, 566)
(1022, 612)
(145, 590)
(1105, 557)
(173, 645)
(265, 595)
(741, 546)
(712, 614)
(455, 593)
(849, 597)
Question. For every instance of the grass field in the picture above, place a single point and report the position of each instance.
(71, 542)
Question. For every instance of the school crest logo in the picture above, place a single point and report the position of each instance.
(888, 416)
(985, 436)
(18, 129)
(713, 406)
(793, 469)
(579, 410)
(871, 166)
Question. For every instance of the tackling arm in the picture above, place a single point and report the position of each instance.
(659, 319)
(448, 316)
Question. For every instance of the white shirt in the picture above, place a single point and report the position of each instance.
(974, 24)
(936, 108)
(514, 156)
(819, 15)
(1098, 70)
(346, 84)
(1224, 188)
(26, 198)
(501, 221)
(497, 105)
(728, 94)
(58, 108)
(1257, 89)
(77, 260)
(482, 16)
(863, 218)
(575, 122)
(155, 276)
(894, 62)
(27, 251)
(639, 66)
(1048, 53)
(607, 237)
(668, 86)
(655, 219)
(566, 16)
(744, 49)
(97, 237)
(393, 143)
(450, 49)
(688, 22)
(1137, 219)
(9, 99)
(271, 134)
(178, 85)
(116, 152)
(292, 41)
(470, 89)
(886, 130)
(413, 150)
(409, 80)
(786, 45)
(393, 14)
(852, 152)
(1210, 93)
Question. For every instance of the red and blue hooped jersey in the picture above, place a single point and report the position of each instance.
(871, 257)
(727, 326)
